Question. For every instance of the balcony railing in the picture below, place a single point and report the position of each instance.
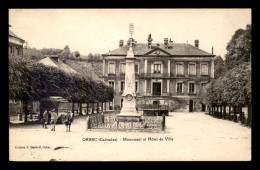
(164, 75)
(179, 93)
(156, 93)
(156, 75)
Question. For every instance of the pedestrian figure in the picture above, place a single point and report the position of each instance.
(45, 119)
(68, 120)
(54, 117)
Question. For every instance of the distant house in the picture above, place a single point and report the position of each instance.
(15, 44)
(54, 61)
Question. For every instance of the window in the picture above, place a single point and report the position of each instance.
(191, 88)
(122, 68)
(112, 84)
(204, 69)
(136, 86)
(122, 86)
(136, 68)
(179, 87)
(192, 69)
(157, 68)
(111, 68)
(180, 69)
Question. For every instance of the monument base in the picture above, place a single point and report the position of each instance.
(129, 116)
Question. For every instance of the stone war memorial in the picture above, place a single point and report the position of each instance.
(128, 118)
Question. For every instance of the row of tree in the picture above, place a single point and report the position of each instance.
(96, 57)
(232, 84)
(33, 81)
(35, 54)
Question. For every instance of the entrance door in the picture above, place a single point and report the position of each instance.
(191, 106)
(157, 88)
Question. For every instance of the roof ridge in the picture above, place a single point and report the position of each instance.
(11, 33)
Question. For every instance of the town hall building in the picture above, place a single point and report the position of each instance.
(165, 73)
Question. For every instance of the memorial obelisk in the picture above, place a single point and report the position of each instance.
(129, 95)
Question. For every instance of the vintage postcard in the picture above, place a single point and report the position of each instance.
(130, 84)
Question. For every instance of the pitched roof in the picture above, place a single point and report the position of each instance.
(52, 63)
(84, 68)
(14, 35)
(178, 49)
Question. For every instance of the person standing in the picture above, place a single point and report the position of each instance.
(68, 120)
(54, 117)
(45, 118)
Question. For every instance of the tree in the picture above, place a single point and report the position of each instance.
(97, 57)
(239, 48)
(220, 68)
(19, 80)
(77, 54)
(90, 57)
(33, 54)
(51, 51)
(66, 54)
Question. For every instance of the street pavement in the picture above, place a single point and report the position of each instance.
(188, 137)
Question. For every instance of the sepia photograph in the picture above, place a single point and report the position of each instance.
(144, 84)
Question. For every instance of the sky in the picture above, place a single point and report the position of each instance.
(99, 30)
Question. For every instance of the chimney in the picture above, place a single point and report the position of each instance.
(55, 58)
(150, 40)
(197, 43)
(212, 50)
(170, 41)
(121, 43)
(165, 41)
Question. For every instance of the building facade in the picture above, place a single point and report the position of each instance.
(166, 73)
(15, 44)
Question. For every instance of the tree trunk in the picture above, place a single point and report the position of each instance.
(240, 114)
(249, 119)
(80, 109)
(25, 110)
(72, 107)
(105, 106)
(93, 109)
(214, 111)
(97, 108)
(87, 108)
(221, 115)
(224, 113)
(102, 107)
(217, 112)
(235, 116)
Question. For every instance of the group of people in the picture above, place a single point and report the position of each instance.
(54, 118)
